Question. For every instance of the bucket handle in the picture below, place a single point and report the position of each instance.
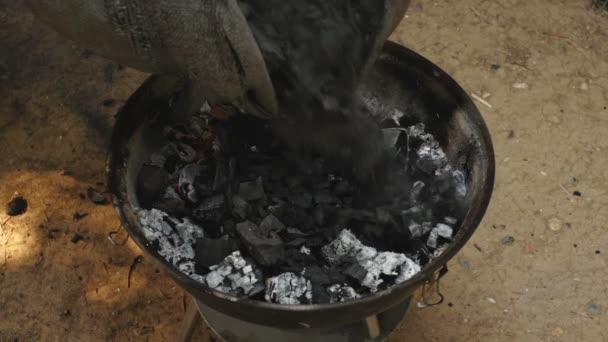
(432, 283)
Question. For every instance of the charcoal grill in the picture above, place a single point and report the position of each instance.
(401, 81)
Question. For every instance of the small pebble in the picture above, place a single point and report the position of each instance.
(507, 240)
(594, 309)
(491, 300)
(520, 85)
(555, 224)
(584, 86)
(17, 206)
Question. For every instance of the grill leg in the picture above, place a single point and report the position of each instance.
(191, 320)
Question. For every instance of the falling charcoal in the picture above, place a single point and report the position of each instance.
(240, 208)
(288, 288)
(16, 206)
(252, 191)
(319, 215)
(395, 139)
(96, 197)
(151, 183)
(267, 251)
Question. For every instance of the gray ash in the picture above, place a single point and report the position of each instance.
(251, 218)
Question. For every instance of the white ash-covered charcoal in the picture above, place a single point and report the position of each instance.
(440, 230)
(376, 264)
(430, 156)
(235, 275)
(448, 180)
(187, 181)
(175, 237)
(407, 270)
(340, 293)
(288, 288)
(266, 250)
(345, 244)
(304, 250)
(385, 263)
(444, 231)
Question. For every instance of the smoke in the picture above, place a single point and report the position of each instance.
(317, 52)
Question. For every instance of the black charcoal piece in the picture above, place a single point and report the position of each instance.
(325, 197)
(383, 216)
(241, 209)
(266, 251)
(271, 224)
(343, 188)
(355, 271)
(186, 153)
(288, 288)
(294, 216)
(395, 140)
(297, 242)
(16, 206)
(96, 197)
(319, 215)
(151, 184)
(252, 191)
(211, 210)
(221, 176)
(301, 199)
(414, 194)
(209, 252)
(187, 180)
(170, 202)
(317, 275)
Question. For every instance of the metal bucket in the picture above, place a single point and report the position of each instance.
(401, 80)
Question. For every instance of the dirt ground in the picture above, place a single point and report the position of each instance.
(541, 65)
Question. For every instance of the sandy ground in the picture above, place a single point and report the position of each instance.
(541, 65)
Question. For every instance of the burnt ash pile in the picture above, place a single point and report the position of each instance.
(229, 206)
